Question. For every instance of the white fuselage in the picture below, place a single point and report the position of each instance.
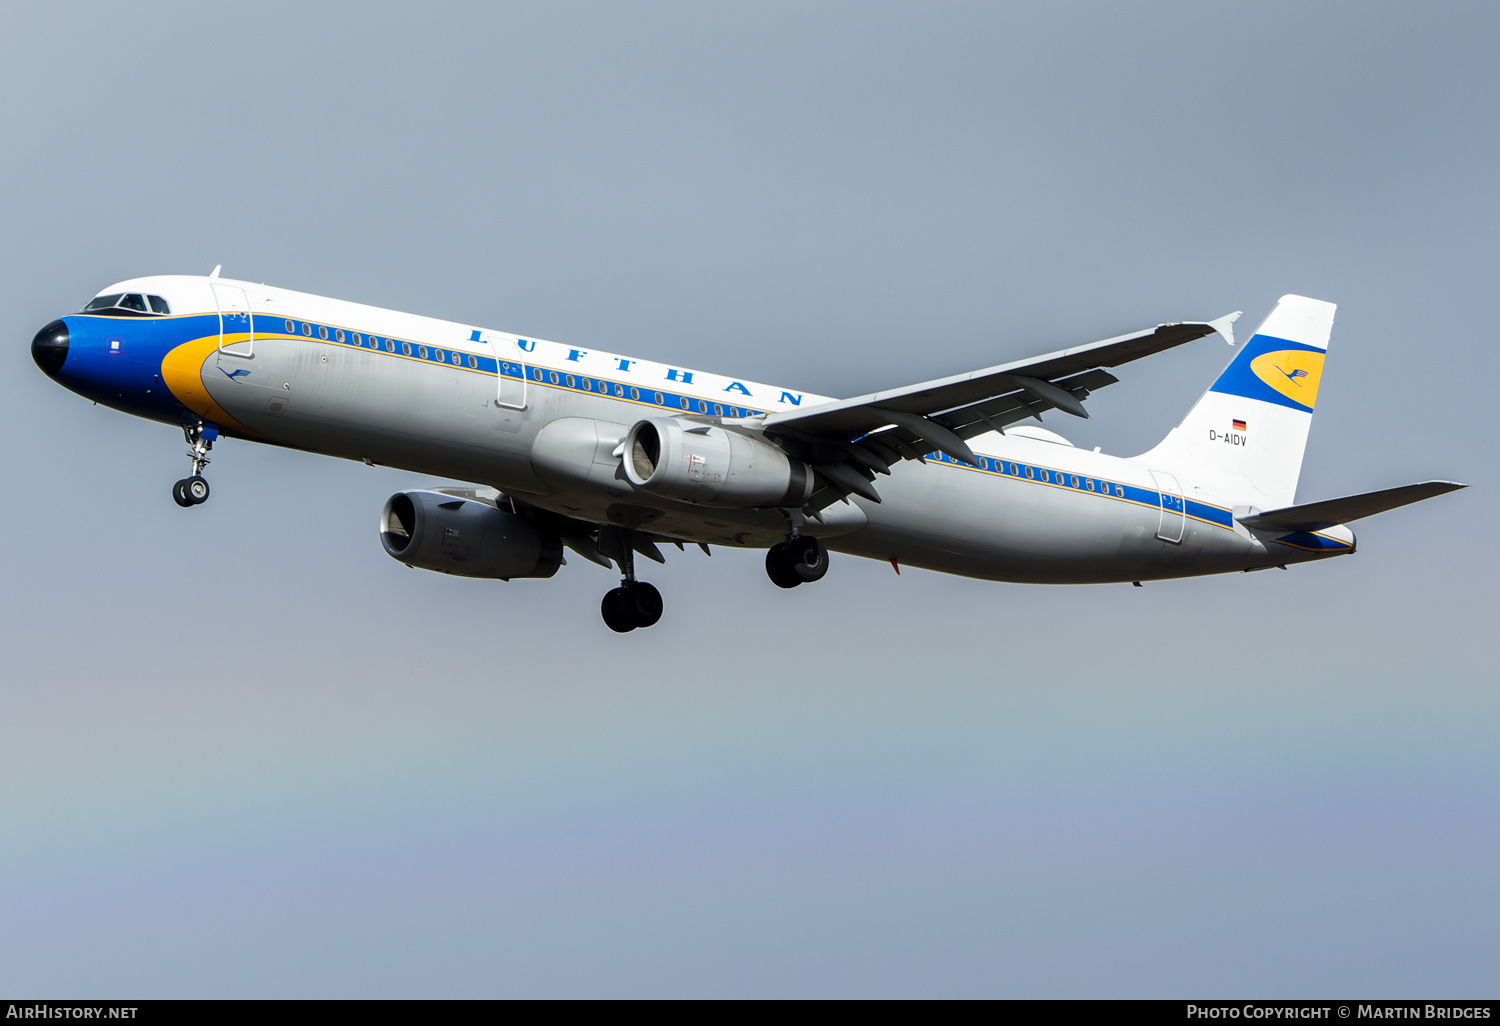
(542, 421)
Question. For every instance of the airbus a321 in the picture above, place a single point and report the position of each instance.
(560, 448)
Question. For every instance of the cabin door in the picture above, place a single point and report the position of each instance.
(1170, 527)
(236, 322)
(510, 385)
(510, 389)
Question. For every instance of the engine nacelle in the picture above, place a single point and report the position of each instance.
(703, 463)
(465, 537)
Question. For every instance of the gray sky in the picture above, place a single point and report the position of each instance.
(242, 752)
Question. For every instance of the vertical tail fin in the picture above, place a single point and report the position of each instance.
(1249, 429)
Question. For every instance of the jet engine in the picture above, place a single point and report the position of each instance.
(465, 537)
(703, 463)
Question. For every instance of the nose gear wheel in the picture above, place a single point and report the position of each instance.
(193, 491)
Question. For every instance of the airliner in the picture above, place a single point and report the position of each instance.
(556, 447)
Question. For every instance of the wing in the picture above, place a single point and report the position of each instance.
(852, 440)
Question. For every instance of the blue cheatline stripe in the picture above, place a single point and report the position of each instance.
(1051, 477)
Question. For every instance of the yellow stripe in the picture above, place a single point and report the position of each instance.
(182, 372)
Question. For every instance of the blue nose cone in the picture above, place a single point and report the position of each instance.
(50, 348)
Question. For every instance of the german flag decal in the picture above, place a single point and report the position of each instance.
(1239, 425)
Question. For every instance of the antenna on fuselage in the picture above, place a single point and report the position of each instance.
(215, 272)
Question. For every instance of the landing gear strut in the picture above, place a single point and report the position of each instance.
(193, 491)
(634, 603)
(798, 560)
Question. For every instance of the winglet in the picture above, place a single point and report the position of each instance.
(1225, 325)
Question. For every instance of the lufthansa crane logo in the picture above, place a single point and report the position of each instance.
(1294, 373)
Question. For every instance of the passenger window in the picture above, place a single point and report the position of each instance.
(322, 332)
(307, 329)
(635, 393)
(1028, 472)
(291, 328)
(684, 402)
(1120, 491)
(339, 334)
(158, 305)
(718, 410)
(438, 355)
(406, 349)
(620, 391)
(422, 352)
(1089, 483)
(1075, 482)
(390, 345)
(553, 377)
(571, 383)
(473, 362)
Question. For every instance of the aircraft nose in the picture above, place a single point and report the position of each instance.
(50, 348)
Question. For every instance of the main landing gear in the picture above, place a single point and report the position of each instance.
(634, 603)
(798, 560)
(193, 491)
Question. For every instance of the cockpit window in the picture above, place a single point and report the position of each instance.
(127, 304)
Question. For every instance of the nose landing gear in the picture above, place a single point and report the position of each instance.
(193, 491)
(190, 491)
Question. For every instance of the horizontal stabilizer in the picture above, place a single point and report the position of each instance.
(1314, 516)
